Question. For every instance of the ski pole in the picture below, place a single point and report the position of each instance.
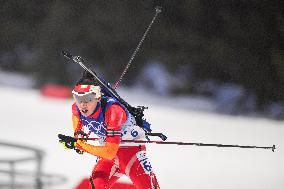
(184, 143)
(158, 10)
(202, 144)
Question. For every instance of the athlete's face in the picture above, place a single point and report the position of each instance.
(87, 107)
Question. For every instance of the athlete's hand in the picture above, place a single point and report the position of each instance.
(68, 141)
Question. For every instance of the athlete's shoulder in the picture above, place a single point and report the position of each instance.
(115, 116)
(116, 108)
(108, 99)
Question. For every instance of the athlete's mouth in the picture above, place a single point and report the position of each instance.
(84, 111)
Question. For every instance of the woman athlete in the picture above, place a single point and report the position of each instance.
(97, 115)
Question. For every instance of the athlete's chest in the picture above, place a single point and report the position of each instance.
(95, 126)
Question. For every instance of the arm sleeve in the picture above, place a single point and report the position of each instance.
(115, 116)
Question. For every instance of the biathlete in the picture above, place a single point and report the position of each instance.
(97, 115)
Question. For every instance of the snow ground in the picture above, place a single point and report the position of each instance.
(30, 119)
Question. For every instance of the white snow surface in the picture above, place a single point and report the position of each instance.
(28, 118)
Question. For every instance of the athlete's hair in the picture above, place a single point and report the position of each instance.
(87, 79)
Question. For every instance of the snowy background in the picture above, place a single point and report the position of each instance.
(28, 118)
(210, 72)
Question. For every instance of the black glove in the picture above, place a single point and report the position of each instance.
(67, 141)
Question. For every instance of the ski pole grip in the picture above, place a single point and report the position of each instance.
(66, 54)
(161, 135)
(273, 148)
(158, 9)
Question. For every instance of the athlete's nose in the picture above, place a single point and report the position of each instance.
(84, 104)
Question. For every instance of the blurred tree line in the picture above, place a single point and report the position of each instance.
(238, 41)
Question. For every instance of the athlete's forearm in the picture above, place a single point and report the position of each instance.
(108, 151)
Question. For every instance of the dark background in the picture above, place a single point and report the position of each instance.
(227, 41)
